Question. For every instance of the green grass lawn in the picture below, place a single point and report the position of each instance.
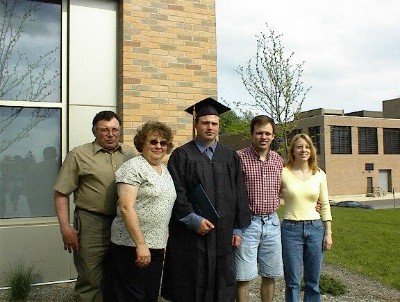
(366, 242)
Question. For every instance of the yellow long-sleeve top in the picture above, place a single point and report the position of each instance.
(301, 196)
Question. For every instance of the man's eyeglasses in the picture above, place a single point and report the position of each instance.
(106, 130)
(154, 142)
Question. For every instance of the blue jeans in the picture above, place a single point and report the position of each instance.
(302, 248)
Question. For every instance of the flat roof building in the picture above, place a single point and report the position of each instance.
(360, 151)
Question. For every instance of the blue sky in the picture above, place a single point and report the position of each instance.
(351, 48)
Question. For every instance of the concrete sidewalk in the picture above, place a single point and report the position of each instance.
(378, 202)
(363, 197)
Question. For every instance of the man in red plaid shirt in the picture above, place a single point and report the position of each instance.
(260, 251)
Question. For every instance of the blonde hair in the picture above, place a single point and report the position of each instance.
(312, 161)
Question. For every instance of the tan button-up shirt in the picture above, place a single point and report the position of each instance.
(88, 171)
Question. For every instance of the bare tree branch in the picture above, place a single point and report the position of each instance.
(20, 77)
(274, 84)
(38, 115)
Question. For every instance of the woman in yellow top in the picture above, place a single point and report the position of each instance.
(305, 232)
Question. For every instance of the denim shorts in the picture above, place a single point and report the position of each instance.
(260, 250)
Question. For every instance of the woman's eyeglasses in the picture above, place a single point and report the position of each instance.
(154, 142)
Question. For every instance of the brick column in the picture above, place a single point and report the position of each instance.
(168, 61)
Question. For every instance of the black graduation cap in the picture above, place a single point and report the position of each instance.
(208, 106)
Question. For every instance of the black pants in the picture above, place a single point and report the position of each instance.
(125, 281)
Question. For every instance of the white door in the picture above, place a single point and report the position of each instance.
(384, 176)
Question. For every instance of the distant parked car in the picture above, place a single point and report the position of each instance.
(352, 204)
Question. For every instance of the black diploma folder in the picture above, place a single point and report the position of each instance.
(202, 204)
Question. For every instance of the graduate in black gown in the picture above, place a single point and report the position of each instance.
(199, 262)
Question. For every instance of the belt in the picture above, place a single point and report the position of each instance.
(95, 213)
(264, 215)
(302, 221)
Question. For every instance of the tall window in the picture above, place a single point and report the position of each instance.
(341, 140)
(367, 140)
(30, 106)
(315, 135)
(30, 50)
(391, 141)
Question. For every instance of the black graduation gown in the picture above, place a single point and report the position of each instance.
(201, 268)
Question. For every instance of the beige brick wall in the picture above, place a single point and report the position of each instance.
(168, 61)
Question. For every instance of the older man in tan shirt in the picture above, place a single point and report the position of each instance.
(89, 172)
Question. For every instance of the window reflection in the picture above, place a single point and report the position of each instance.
(30, 37)
(29, 161)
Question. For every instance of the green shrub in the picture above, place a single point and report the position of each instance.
(331, 285)
(19, 279)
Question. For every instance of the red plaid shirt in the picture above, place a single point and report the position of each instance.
(262, 179)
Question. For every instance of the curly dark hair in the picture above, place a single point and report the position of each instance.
(153, 128)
